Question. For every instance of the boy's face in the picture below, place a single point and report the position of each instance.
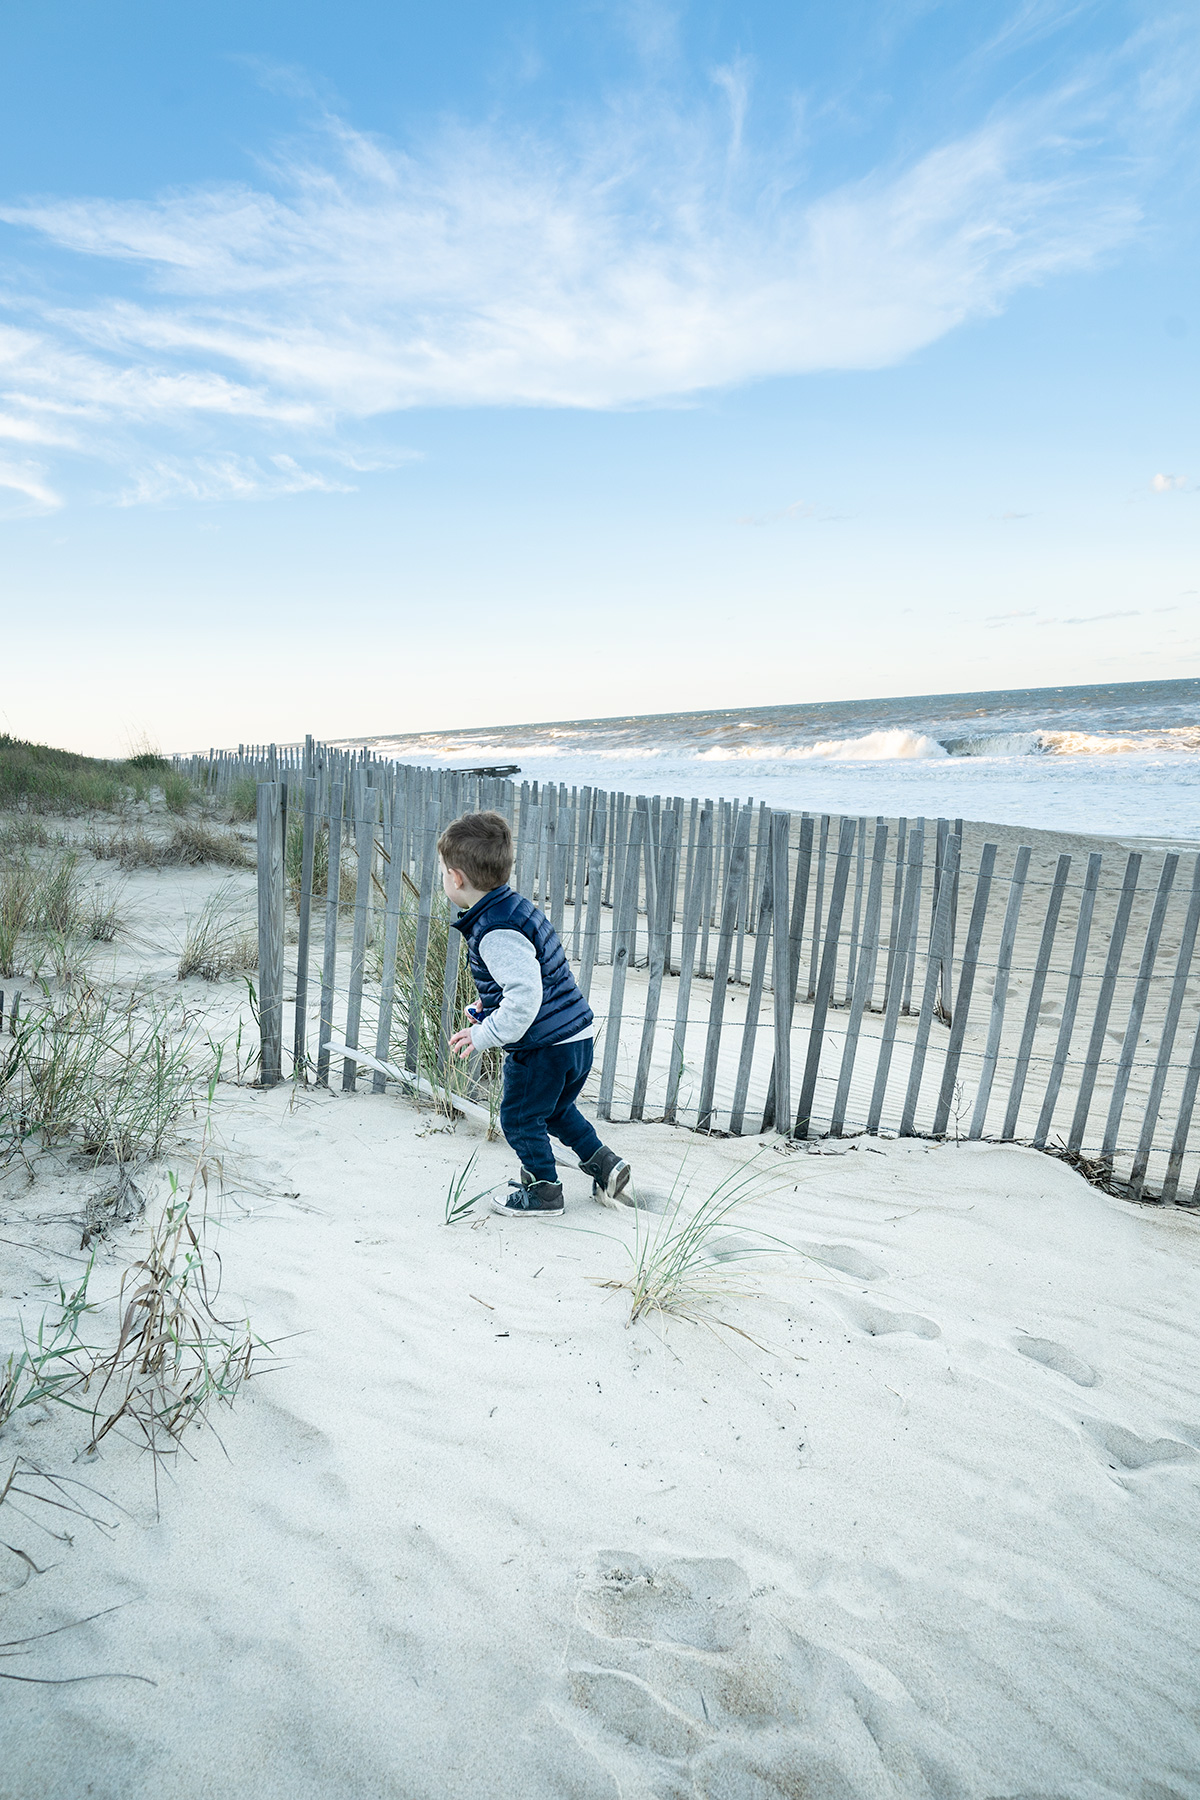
(454, 884)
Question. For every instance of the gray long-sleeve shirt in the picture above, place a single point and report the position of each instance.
(512, 962)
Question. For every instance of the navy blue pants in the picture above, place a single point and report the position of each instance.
(540, 1090)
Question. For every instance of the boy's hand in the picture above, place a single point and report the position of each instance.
(461, 1043)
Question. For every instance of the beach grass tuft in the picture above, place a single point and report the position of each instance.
(220, 940)
(682, 1265)
(174, 1354)
(458, 1202)
(191, 844)
(111, 1073)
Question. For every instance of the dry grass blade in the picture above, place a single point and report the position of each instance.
(174, 1354)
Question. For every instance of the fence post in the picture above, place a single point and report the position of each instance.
(1183, 967)
(1083, 928)
(308, 850)
(784, 970)
(716, 1007)
(966, 982)
(1008, 938)
(1137, 1005)
(826, 976)
(270, 931)
(693, 902)
(1112, 964)
(930, 996)
(621, 940)
(365, 847)
(864, 974)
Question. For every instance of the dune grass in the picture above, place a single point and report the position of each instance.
(220, 939)
(243, 801)
(174, 1354)
(191, 844)
(35, 778)
(476, 1078)
(110, 1073)
(683, 1264)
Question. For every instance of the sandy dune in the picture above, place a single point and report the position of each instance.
(928, 1529)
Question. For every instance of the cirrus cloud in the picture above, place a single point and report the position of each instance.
(657, 254)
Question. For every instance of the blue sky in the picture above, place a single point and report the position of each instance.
(363, 369)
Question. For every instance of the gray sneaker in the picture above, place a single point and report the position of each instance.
(610, 1174)
(528, 1197)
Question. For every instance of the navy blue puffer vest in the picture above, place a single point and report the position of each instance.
(564, 1011)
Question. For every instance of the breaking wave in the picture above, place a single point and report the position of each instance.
(876, 746)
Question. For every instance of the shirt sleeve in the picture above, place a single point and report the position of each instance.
(512, 962)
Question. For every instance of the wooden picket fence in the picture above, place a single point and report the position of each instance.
(750, 969)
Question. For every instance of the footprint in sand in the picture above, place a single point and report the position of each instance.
(846, 1259)
(1126, 1450)
(1057, 1357)
(696, 1601)
(879, 1321)
(686, 1685)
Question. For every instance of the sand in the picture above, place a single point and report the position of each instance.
(928, 1529)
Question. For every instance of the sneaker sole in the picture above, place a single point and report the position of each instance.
(614, 1195)
(527, 1212)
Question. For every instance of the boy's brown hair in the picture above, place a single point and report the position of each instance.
(480, 846)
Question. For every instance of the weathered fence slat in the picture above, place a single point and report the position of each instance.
(391, 938)
(825, 978)
(307, 853)
(897, 895)
(1033, 1006)
(916, 872)
(622, 938)
(1137, 1004)
(1187, 1105)
(1158, 1081)
(658, 942)
(270, 822)
(1008, 938)
(716, 1009)
(1112, 965)
(895, 993)
(1083, 928)
(693, 905)
(784, 970)
(416, 994)
(864, 975)
(930, 996)
(595, 893)
(758, 972)
(856, 915)
(333, 895)
(365, 845)
(818, 903)
(966, 985)
(454, 944)
(582, 841)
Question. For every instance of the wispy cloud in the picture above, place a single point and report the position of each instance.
(1095, 618)
(659, 253)
(798, 510)
(227, 477)
(1167, 484)
(29, 485)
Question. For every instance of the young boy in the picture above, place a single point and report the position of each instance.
(530, 1006)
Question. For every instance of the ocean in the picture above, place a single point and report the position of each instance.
(1121, 759)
